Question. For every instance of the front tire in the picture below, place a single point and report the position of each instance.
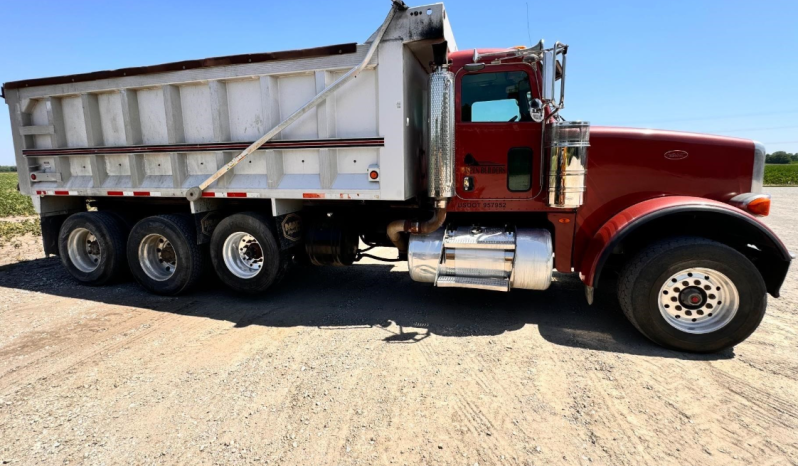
(245, 253)
(92, 247)
(692, 294)
(164, 255)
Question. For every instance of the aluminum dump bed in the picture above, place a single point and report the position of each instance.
(159, 130)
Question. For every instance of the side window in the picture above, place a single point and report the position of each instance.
(519, 169)
(495, 97)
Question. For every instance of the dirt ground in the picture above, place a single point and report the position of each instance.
(363, 366)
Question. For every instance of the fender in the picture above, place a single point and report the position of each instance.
(628, 220)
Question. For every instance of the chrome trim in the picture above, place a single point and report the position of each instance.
(479, 238)
(157, 257)
(424, 256)
(534, 260)
(243, 255)
(758, 174)
(549, 65)
(84, 250)
(440, 168)
(568, 147)
(490, 284)
(463, 256)
(719, 301)
(486, 263)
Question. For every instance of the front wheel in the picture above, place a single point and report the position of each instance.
(692, 294)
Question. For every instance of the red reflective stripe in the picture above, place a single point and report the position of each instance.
(141, 193)
(312, 195)
(205, 194)
(236, 194)
(40, 192)
(115, 193)
(62, 193)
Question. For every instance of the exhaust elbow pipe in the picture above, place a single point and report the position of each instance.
(398, 228)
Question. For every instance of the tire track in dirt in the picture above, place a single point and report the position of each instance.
(478, 421)
(767, 403)
(611, 416)
(133, 323)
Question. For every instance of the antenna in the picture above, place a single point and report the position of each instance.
(528, 33)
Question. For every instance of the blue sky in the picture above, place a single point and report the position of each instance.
(717, 66)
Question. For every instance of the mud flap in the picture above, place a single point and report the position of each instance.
(289, 229)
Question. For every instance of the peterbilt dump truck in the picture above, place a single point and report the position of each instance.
(462, 160)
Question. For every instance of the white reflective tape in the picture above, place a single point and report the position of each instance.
(52, 193)
(155, 194)
(73, 193)
(127, 193)
(220, 194)
(253, 194)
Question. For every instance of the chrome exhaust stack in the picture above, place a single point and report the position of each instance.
(440, 164)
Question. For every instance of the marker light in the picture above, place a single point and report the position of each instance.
(759, 206)
(755, 204)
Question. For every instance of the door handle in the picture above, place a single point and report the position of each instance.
(468, 183)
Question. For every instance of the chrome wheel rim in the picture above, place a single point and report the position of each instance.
(698, 300)
(243, 255)
(84, 250)
(157, 257)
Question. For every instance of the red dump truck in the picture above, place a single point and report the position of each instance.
(460, 159)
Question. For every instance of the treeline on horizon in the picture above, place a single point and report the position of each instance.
(781, 157)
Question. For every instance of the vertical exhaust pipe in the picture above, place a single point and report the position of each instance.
(440, 164)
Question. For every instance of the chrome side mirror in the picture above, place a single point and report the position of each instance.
(549, 65)
(536, 108)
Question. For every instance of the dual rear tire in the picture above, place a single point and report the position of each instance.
(163, 255)
(92, 247)
(245, 253)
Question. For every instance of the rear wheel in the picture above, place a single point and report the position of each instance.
(693, 294)
(245, 253)
(164, 255)
(92, 247)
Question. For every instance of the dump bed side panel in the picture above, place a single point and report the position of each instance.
(161, 130)
(164, 133)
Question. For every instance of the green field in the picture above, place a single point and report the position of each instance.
(14, 204)
(781, 175)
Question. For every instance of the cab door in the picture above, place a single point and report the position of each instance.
(497, 150)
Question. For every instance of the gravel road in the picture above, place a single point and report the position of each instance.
(363, 366)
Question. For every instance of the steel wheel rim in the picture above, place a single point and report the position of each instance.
(84, 250)
(157, 257)
(243, 255)
(698, 300)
